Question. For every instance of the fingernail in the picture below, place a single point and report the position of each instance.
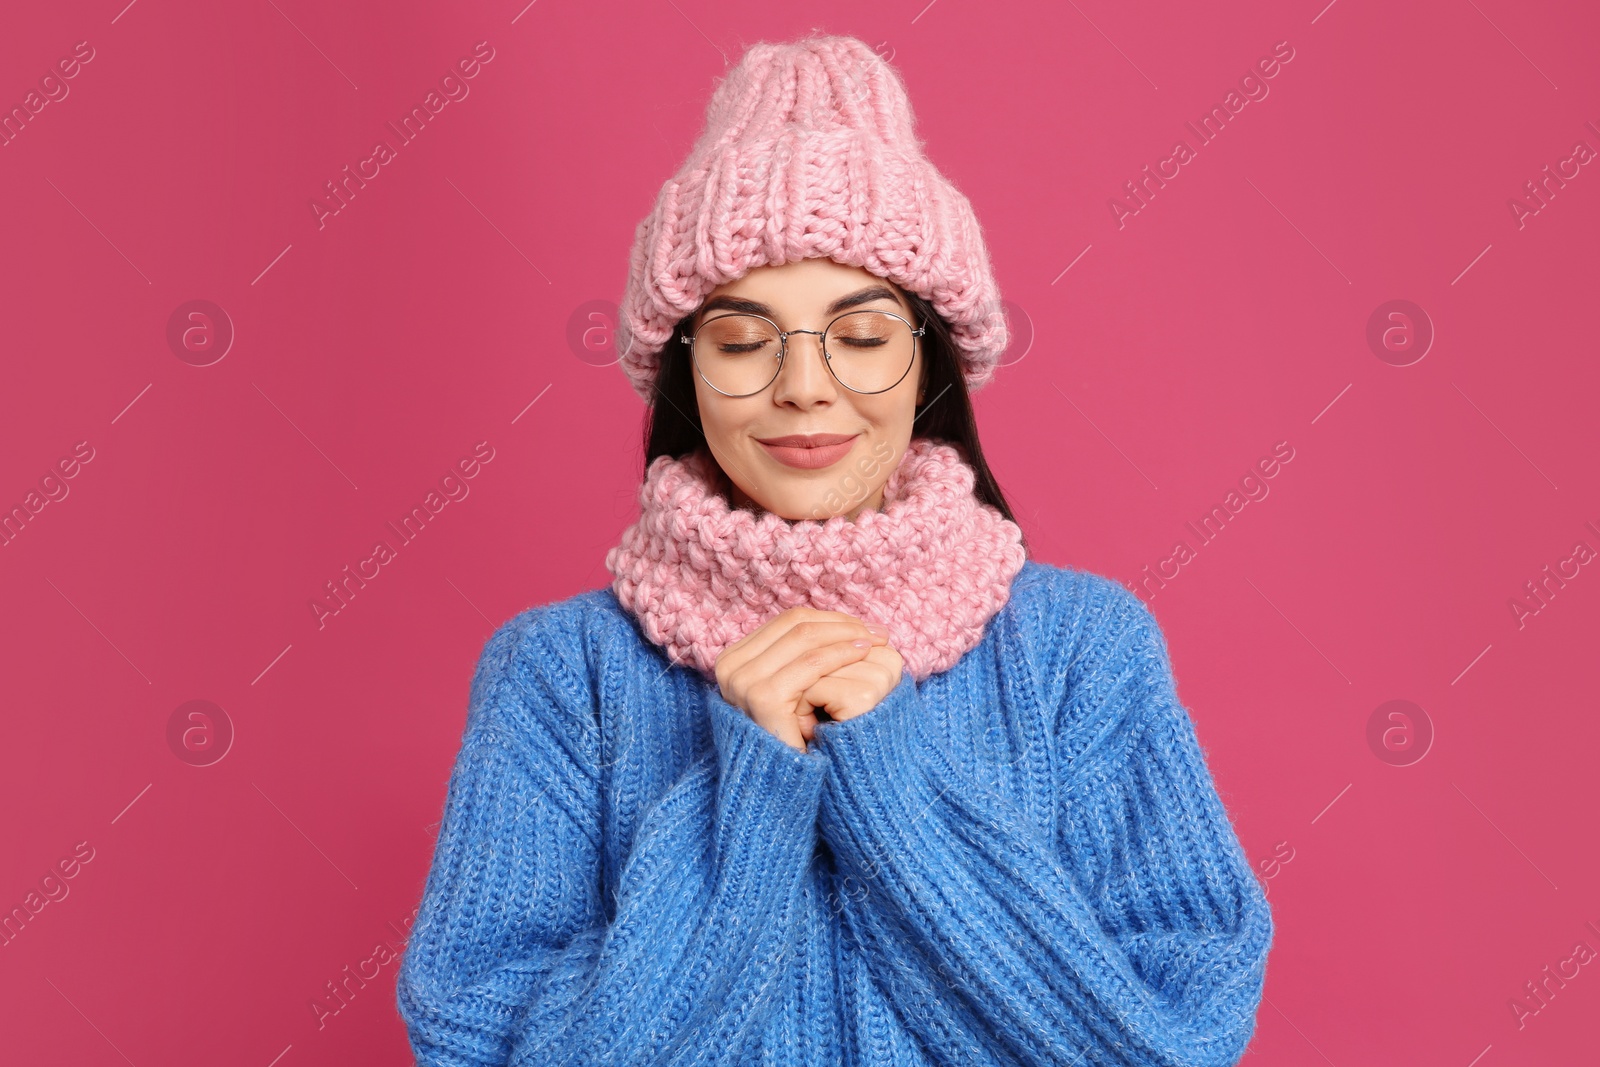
(861, 642)
(881, 631)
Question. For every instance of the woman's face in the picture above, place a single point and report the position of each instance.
(807, 399)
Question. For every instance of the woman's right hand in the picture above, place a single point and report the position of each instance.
(767, 672)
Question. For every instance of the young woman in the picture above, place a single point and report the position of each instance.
(832, 772)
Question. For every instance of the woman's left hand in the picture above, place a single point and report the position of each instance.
(857, 688)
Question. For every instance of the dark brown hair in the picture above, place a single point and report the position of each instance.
(672, 424)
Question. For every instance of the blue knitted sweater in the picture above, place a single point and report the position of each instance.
(1021, 860)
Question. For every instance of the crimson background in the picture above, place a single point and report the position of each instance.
(1156, 362)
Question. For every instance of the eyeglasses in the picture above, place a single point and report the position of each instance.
(739, 354)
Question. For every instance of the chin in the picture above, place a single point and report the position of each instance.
(793, 506)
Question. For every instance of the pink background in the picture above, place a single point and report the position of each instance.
(444, 305)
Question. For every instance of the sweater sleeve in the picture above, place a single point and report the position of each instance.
(512, 958)
(1137, 937)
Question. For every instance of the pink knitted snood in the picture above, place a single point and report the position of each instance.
(933, 566)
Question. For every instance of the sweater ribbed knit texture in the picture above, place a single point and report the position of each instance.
(1021, 860)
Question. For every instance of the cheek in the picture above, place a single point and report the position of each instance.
(710, 412)
(891, 413)
(721, 418)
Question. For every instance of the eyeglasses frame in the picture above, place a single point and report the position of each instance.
(917, 333)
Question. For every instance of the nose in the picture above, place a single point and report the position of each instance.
(804, 379)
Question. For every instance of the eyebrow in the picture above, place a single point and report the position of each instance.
(755, 307)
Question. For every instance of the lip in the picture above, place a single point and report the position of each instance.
(810, 451)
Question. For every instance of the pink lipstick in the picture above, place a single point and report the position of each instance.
(809, 451)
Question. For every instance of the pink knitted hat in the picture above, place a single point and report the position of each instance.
(809, 151)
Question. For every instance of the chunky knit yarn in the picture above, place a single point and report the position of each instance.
(809, 149)
(933, 566)
(1022, 860)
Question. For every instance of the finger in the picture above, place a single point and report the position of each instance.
(877, 674)
(881, 656)
(768, 633)
(889, 656)
(852, 690)
(783, 686)
(802, 726)
(764, 658)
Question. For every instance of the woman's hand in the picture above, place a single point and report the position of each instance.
(857, 688)
(801, 659)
